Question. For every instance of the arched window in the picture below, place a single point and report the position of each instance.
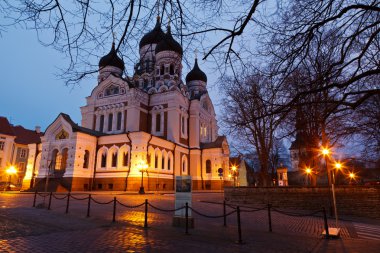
(163, 162)
(104, 160)
(86, 159)
(118, 125)
(184, 165)
(158, 122)
(114, 159)
(183, 124)
(125, 159)
(208, 166)
(101, 123)
(110, 118)
(156, 161)
(54, 161)
(64, 159)
(169, 160)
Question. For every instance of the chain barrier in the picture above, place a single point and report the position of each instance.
(101, 203)
(55, 196)
(127, 206)
(165, 210)
(43, 194)
(211, 216)
(252, 210)
(72, 196)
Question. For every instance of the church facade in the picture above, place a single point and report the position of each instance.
(136, 131)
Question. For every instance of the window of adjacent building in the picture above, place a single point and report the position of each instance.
(2, 144)
(23, 153)
(110, 186)
(104, 160)
(118, 126)
(101, 123)
(158, 122)
(86, 159)
(208, 166)
(171, 69)
(162, 70)
(110, 118)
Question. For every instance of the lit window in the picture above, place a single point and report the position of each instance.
(23, 153)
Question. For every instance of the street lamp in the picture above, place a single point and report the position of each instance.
(11, 170)
(234, 171)
(308, 173)
(143, 168)
(325, 152)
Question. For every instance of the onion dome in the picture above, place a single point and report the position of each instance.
(111, 59)
(168, 43)
(154, 36)
(196, 74)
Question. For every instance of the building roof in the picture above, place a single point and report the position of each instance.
(216, 144)
(26, 136)
(154, 36)
(5, 127)
(168, 43)
(196, 74)
(77, 128)
(112, 59)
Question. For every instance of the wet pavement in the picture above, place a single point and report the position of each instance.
(27, 229)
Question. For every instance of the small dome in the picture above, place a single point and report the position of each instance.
(111, 59)
(154, 36)
(168, 43)
(196, 74)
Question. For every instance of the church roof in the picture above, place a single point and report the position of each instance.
(216, 144)
(77, 128)
(196, 73)
(112, 59)
(5, 127)
(168, 43)
(154, 36)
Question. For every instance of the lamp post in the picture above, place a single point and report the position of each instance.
(234, 171)
(326, 152)
(11, 170)
(143, 168)
(308, 173)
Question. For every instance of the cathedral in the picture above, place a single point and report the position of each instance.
(136, 131)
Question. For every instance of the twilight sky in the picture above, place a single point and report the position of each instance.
(32, 94)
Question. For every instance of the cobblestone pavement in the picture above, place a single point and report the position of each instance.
(27, 229)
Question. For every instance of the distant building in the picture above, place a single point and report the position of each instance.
(14, 149)
(151, 124)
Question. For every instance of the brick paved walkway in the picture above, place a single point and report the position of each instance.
(26, 229)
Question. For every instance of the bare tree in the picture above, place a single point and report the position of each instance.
(356, 24)
(246, 114)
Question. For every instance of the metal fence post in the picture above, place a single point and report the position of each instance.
(187, 218)
(114, 210)
(88, 205)
(269, 218)
(49, 205)
(224, 214)
(34, 200)
(240, 241)
(146, 214)
(326, 224)
(68, 202)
